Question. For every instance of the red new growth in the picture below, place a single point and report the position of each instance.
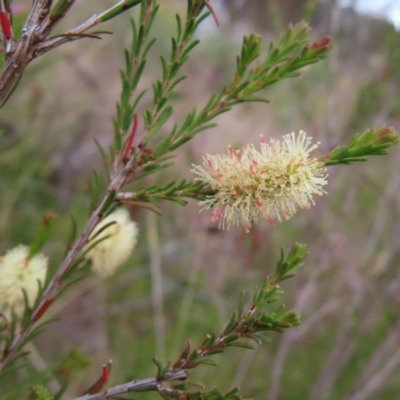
(5, 24)
(103, 380)
(42, 309)
(325, 42)
(128, 148)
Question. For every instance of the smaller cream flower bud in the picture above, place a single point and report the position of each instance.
(18, 272)
(112, 252)
(271, 183)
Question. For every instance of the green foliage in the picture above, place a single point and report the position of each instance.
(117, 9)
(39, 393)
(371, 142)
(283, 59)
(43, 234)
(132, 158)
(244, 325)
(281, 62)
(135, 60)
(173, 192)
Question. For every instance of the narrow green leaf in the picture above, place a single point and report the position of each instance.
(152, 171)
(109, 200)
(241, 305)
(161, 120)
(104, 157)
(159, 366)
(243, 345)
(72, 234)
(35, 332)
(43, 233)
(138, 74)
(179, 27)
(138, 98)
(195, 383)
(207, 361)
(115, 10)
(148, 47)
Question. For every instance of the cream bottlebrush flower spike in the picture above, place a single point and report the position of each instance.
(18, 272)
(112, 252)
(271, 183)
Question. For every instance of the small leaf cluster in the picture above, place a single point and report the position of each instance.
(172, 192)
(159, 113)
(33, 30)
(282, 61)
(249, 323)
(135, 63)
(39, 393)
(371, 142)
(246, 323)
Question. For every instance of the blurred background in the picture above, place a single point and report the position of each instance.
(185, 276)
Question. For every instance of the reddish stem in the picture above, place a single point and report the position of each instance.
(212, 11)
(5, 24)
(128, 148)
(42, 309)
(102, 381)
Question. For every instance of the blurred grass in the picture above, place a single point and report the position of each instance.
(348, 292)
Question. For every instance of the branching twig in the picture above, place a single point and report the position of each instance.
(138, 385)
(34, 37)
(244, 324)
(52, 289)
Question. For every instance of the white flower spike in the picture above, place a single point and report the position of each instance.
(18, 272)
(271, 183)
(112, 252)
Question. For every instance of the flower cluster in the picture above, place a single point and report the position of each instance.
(18, 272)
(115, 249)
(271, 183)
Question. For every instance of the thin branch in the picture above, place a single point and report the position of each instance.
(52, 20)
(138, 385)
(39, 10)
(90, 23)
(52, 289)
(80, 35)
(69, 36)
(36, 30)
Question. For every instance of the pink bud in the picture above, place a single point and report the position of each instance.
(324, 43)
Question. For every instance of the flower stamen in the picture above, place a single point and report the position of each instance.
(270, 183)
